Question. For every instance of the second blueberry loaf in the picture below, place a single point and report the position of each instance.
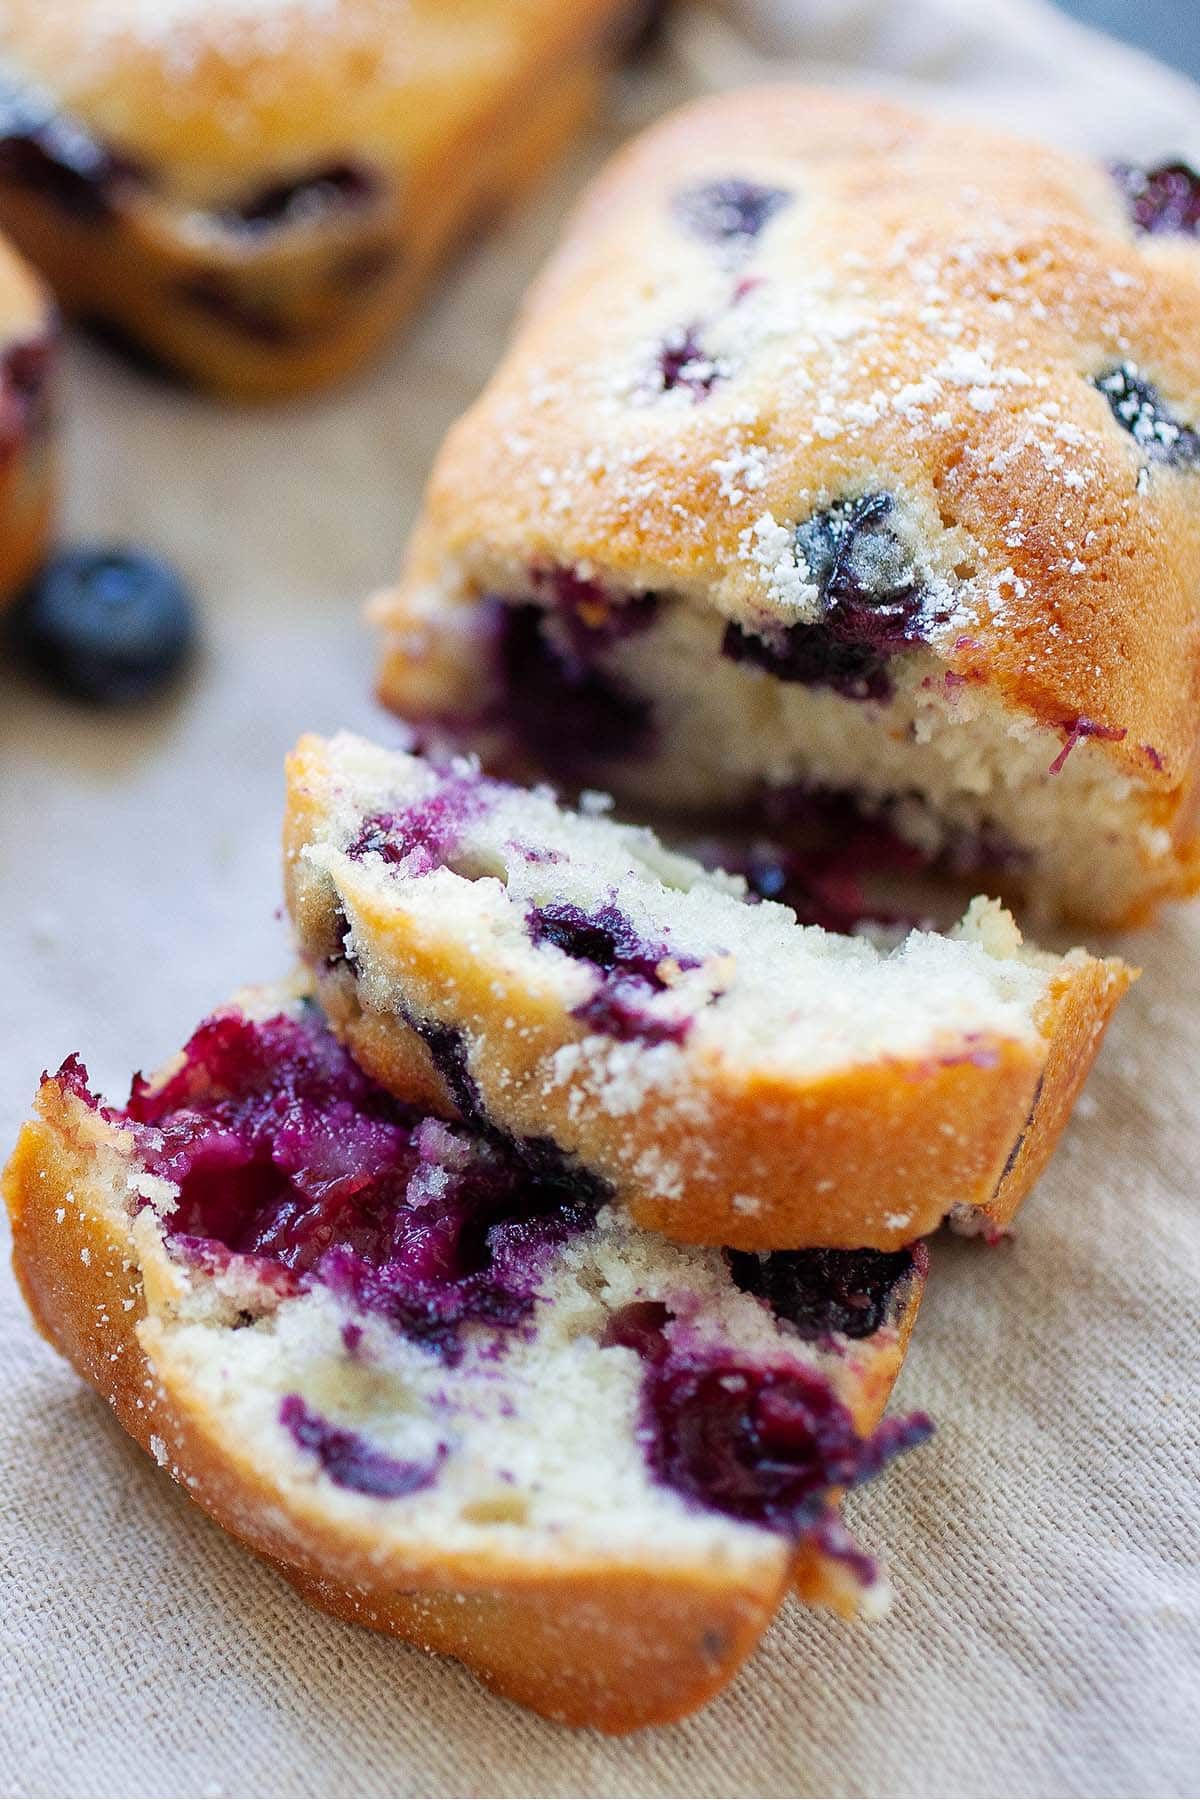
(256, 191)
(843, 449)
(730, 1076)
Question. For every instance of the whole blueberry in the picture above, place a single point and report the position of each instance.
(110, 625)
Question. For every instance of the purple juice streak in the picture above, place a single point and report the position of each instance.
(350, 1460)
(1162, 200)
(1076, 731)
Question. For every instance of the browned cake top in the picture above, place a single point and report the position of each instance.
(784, 299)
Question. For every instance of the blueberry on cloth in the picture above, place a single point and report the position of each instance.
(110, 625)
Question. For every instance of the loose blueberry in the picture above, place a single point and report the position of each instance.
(106, 625)
(732, 211)
(1162, 201)
(1138, 406)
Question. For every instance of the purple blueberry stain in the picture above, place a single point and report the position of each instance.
(349, 1460)
(1162, 201)
(732, 212)
(630, 968)
(1140, 409)
(587, 617)
(419, 838)
(823, 1294)
(640, 1326)
(27, 377)
(873, 604)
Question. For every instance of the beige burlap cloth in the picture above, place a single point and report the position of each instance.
(1046, 1633)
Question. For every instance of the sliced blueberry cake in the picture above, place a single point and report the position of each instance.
(255, 191)
(437, 1381)
(28, 460)
(848, 453)
(731, 1076)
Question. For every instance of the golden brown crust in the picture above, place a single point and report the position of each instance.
(605, 1645)
(449, 117)
(953, 295)
(1081, 1001)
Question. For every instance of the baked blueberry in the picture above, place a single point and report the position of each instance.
(110, 625)
(730, 211)
(349, 1459)
(825, 1292)
(1163, 200)
(50, 153)
(759, 1443)
(1137, 405)
(873, 602)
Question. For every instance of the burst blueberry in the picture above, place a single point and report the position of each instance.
(761, 1444)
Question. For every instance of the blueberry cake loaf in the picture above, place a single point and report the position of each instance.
(844, 452)
(256, 191)
(28, 469)
(730, 1076)
(441, 1386)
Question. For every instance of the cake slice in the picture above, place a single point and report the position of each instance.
(842, 450)
(441, 1385)
(730, 1076)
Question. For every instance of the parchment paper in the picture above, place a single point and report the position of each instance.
(1046, 1633)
